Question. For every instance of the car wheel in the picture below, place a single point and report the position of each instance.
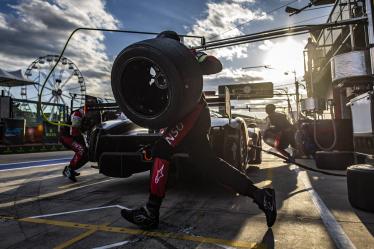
(156, 82)
(236, 151)
(258, 152)
(360, 180)
(243, 150)
(334, 160)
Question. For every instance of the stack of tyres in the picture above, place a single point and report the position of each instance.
(334, 160)
(156, 82)
(360, 182)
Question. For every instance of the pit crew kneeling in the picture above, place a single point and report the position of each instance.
(193, 130)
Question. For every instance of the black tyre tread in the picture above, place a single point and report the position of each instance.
(334, 160)
(181, 68)
(258, 158)
(243, 158)
(256, 154)
(360, 183)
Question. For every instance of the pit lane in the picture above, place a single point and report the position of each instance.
(41, 209)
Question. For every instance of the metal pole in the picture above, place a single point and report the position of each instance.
(275, 33)
(297, 96)
(38, 109)
(353, 42)
(72, 102)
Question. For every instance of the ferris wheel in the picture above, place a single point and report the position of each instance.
(64, 88)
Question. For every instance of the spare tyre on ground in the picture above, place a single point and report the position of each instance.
(360, 183)
(334, 160)
(156, 82)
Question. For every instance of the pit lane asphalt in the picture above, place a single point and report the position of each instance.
(41, 209)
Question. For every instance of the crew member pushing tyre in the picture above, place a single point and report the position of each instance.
(190, 135)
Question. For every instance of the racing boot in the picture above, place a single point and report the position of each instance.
(69, 173)
(145, 218)
(76, 173)
(265, 199)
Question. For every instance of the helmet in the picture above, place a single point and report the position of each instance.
(270, 108)
(169, 34)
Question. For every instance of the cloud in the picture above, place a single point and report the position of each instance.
(221, 20)
(266, 45)
(36, 28)
(231, 76)
(244, 1)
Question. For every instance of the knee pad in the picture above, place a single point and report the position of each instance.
(162, 149)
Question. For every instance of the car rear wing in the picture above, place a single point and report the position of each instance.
(222, 101)
(102, 107)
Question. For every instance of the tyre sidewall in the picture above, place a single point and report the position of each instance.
(182, 72)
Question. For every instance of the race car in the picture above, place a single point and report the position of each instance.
(121, 148)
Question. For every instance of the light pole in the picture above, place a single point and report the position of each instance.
(296, 92)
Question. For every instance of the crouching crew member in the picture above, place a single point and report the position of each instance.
(279, 133)
(193, 130)
(72, 138)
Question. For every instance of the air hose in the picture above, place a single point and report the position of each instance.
(333, 128)
(291, 160)
(63, 50)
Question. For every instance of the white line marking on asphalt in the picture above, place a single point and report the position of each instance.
(225, 247)
(17, 183)
(38, 166)
(122, 207)
(46, 160)
(114, 245)
(75, 211)
(333, 227)
(36, 198)
(74, 184)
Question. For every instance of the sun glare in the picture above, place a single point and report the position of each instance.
(284, 56)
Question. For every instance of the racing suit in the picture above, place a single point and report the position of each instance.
(193, 130)
(190, 136)
(72, 138)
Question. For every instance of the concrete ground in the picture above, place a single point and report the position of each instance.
(41, 209)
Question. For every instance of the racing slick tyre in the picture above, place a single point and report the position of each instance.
(156, 82)
(334, 160)
(258, 152)
(360, 182)
(236, 151)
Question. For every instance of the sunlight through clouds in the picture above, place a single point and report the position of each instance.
(220, 22)
(283, 56)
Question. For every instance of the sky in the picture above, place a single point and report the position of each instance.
(30, 29)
